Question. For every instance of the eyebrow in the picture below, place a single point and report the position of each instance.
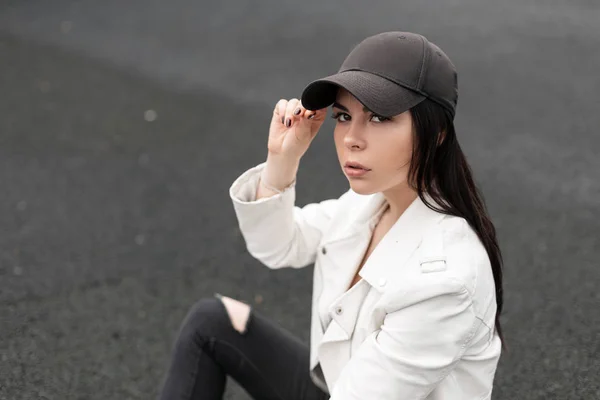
(343, 108)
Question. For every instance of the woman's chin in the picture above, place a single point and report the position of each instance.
(361, 187)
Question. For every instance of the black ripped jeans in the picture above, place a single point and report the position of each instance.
(266, 360)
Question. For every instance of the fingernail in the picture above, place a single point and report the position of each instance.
(297, 111)
(311, 116)
(288, 123)
(218, 295)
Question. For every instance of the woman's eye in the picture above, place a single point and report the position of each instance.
(341, 117)
(379, 118)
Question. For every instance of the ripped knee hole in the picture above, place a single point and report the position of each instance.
(238, 313)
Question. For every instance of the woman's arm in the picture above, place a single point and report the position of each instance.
(278, 174)
(276, 232)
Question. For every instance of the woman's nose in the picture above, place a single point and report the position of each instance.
(353, 138)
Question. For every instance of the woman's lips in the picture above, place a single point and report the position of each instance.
(355, 172)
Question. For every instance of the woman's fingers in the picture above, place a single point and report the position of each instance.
(288, 112)
(316, 115)
(292, 111)
(279, 111)
(293, 127)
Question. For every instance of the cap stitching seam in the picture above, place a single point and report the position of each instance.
(397, 82)
(423, 64)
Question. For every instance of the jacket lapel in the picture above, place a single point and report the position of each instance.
(399, 243)
(346, 249)
(346, 246)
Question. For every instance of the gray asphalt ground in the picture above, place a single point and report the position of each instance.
(123, 124)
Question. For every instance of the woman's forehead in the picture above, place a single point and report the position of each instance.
(344, 94)
(348, 100)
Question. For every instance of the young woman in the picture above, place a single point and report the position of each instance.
(407, 279)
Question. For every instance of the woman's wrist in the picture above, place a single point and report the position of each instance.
(278, 174)
(276, 190)
(280, 171)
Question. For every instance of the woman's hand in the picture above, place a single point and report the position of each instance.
(292, 129)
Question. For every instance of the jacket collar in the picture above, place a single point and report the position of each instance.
(399, 243)
(393, 250)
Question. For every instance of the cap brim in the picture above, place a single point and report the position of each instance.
(380, 95)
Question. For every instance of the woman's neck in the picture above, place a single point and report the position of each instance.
(398, 199)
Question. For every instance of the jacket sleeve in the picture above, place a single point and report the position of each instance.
(424, 334)
(276, 232)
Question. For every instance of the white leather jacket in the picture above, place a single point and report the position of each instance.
(420, 324)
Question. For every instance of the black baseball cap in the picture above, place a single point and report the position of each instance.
(390, 73)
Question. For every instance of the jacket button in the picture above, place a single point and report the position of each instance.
(324, 250)
(339, 310)
(382, 282)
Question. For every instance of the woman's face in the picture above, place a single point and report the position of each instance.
(382, 145)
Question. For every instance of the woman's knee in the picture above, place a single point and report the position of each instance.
(210, 315)
(238, 313)
(202, 318)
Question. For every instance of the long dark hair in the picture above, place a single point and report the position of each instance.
(439, 167)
